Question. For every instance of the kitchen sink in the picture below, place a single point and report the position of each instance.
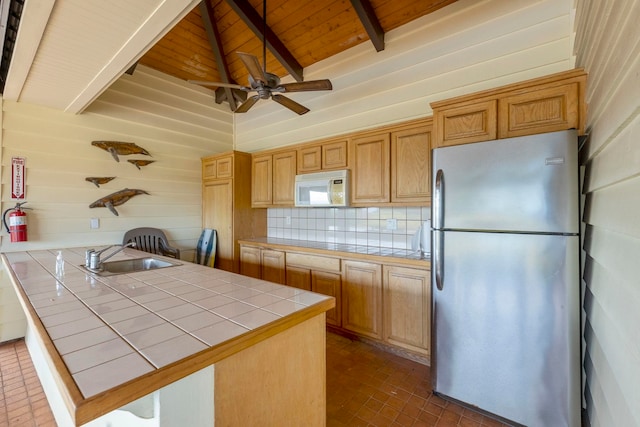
(111, 268)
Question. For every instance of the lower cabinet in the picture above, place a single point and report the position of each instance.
(261, 263)
(407, 308)
(362, 298)
(273, 266)
(330, 284)
(388, 303)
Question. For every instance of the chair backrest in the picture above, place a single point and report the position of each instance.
(206, 249)
(152, 240)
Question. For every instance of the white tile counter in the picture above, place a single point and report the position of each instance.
(106, 332)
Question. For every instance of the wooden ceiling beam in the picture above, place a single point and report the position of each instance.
(276, 47)
(370, 22)
(208, 19)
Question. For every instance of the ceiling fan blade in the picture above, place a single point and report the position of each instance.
(306, 86)
(244, 107)
(253, 66)
(218, 84)
(290, 104)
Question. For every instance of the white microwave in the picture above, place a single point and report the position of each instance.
(323, 189)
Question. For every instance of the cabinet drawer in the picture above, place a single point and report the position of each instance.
(313, 262)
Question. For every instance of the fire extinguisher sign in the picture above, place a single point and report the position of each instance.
(17, 177)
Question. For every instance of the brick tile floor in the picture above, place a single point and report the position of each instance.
(366, 386)
(22, 400)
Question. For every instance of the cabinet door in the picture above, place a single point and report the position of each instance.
(273, 267)
(410, 152)
(209, 168)
(370, 169)
(284, 176)
(309, 159)
(407, 308)
(250, 262)
(261, 180)
(362, 298)
(466, 123)
(544, 110)
(334, 155)
(217, 213)
(328, 284)
(224, 167)
(298, 278)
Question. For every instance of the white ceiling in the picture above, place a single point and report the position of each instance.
(68, 52)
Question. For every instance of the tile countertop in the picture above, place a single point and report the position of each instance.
(111, 330)
(370, 252)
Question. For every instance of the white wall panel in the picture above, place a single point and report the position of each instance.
(608, 47)
(176, 122)
(462, 48)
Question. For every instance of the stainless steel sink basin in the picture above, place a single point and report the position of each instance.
(111, 268)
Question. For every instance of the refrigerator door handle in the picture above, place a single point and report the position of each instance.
(438, 259)
(438, 223)
(438, 199)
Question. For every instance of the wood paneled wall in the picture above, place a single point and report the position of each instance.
(464, 47)
(176, 122)
(608, 47)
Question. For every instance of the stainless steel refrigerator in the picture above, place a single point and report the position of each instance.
(505, 277)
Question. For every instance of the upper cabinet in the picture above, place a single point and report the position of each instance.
(273, 176)
(545, 104)
(325, 156)
(392, 166)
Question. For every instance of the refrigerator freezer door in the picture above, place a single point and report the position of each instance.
(506, 324)
(524, 184)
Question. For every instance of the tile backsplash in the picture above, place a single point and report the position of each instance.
(388, 227)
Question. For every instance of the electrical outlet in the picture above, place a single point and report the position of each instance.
(392, 224)
(94, 223)
(287, 220)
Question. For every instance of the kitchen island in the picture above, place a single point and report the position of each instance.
(186, 343)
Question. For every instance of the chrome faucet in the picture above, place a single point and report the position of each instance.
(92, 258)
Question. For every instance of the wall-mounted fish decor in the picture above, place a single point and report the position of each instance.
(121, 148)
(97, 180)
(137, 163)
(116, 199)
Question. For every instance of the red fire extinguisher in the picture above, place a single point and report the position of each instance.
(17, 226)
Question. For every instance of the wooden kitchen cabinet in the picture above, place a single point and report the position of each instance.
(370, 174)
(262, 263)
(298, 277)
(217, 167)
(250, 262)
(273, 266)
(273, 177)
(330, 284)
(362, 298)
(392, 167)
(411, 165)
(546, 104)
(326, 156)
(407, 308)
(284, 177)
(226, 206)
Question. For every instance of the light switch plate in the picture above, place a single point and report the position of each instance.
(392, 224)
(94, 223)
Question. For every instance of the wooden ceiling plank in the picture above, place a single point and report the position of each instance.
(208, 19)
(370, 22)
(255, 23)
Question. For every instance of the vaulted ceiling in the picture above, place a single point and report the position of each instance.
(68, 52)
(298, 33)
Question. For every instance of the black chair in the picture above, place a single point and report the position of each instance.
(152, 240)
